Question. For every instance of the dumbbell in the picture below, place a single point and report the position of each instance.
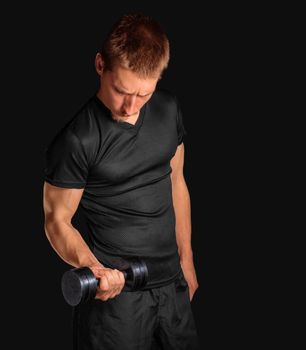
(79, 285)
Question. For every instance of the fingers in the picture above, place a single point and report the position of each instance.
(192, 291)
(111, 283)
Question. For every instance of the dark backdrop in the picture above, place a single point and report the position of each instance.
(48, 64)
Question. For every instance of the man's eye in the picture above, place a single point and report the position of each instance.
(119, 92)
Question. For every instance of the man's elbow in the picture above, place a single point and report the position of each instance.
(54, 224)
(177, 179)
(50, 227)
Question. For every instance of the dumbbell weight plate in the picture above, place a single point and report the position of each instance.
(78, 285)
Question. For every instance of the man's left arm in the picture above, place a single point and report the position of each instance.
(182, 208)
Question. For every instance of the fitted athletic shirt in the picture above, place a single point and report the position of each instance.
(125, 172)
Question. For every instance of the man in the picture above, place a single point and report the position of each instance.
(121, 158)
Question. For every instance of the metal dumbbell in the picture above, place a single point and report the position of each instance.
(80, 284)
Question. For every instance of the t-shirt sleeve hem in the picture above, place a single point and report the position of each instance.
(65, 184)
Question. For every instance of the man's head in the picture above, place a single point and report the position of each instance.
(130, 63)
(138, 43)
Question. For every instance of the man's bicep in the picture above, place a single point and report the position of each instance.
(60, 203)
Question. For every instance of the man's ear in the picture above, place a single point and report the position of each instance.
(99, 64)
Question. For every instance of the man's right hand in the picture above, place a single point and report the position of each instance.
(111, 282)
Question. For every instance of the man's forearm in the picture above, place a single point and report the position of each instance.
(69, 244)
(182, 207)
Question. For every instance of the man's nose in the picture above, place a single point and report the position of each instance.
(129, 104)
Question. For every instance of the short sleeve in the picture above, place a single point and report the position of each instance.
(66, 162)
(181, 131)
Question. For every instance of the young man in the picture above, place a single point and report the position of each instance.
(121, 158)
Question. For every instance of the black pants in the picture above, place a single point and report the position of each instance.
(159, 318)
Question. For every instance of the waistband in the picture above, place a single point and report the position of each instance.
(160, 271)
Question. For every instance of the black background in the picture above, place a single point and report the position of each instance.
(48, 73)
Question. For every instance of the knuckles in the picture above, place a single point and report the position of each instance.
(111, 283)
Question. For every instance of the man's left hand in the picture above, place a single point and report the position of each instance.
(190, 276)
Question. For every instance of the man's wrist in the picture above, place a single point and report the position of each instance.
(90, 261)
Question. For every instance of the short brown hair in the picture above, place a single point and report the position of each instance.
(139, 43)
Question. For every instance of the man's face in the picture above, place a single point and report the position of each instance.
(124, 93)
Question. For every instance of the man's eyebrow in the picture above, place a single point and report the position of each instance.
(127, 93)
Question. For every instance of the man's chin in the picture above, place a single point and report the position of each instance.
(125, 116)
(119, 118)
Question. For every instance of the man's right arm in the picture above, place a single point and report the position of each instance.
(60, 205)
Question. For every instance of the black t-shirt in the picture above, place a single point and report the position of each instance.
(125, 172)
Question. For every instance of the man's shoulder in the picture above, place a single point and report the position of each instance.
(163, 95)
(82, 122)
(164, 100)
(80, 128)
